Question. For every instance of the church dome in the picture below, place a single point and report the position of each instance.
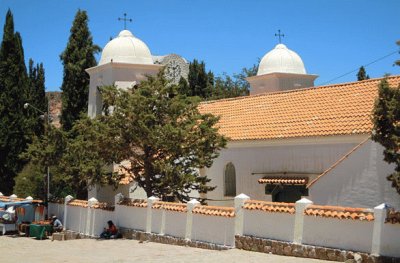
(126, 49)
(282, 60)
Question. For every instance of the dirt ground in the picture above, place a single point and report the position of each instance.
(28, 250)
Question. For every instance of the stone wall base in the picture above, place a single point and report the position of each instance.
(164, 239)
(306, 251)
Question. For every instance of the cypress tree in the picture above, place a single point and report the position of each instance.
(13, 89)
(362, 74)
(77, 56)
(198, 80)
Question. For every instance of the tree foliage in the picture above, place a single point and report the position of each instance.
(362, 74)
(77, 56)
(386, 121)
(13, 89)
(162, 135)
(397, 62)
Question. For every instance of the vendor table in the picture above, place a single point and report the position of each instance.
(7, 227)
(40, 231)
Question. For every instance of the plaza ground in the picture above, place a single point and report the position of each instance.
(22, 249)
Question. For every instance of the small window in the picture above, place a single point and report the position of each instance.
(230, 180)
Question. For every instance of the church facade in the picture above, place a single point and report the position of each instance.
(287, 140)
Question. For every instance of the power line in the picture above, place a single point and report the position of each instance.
(366, 65)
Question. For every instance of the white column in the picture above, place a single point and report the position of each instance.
(13, 197)
(189, 218)
(1, 194)
(90, 218)
(239, 214)
(379, 221)
(67, 199)
(150, 201)
(301, 205)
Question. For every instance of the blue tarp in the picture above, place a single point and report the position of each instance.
(6, 205)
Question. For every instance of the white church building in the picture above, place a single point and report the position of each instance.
(286, 140)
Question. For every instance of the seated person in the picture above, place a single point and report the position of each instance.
(110, 232)
(57, 226)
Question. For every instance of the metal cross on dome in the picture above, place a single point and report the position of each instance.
(279, 35)
(125, 19)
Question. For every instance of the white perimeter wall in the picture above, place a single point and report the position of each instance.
(338, 233)
(358, 181)
(156, 220)
(279, 226)
(390, 240)
(99, 220)
(214, 229)
(131, 217)
(314, 158)
(175, 223)
(76, 218)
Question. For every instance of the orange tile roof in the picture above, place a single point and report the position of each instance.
(4, 198)
(170, 206)
(214, 211)
(340, 212)
(127, 176)
(77, 202)
(283, 180)
(134, 202)
(274, 207)
(341, 109)
(392, 216)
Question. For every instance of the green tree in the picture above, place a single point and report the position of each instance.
(199, 84)
(163, 136)
(30, 182)
(13, 88)
(77, 56)
(386, 119)
(397, 62)
(362, 74)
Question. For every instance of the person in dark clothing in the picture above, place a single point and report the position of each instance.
(109, 232)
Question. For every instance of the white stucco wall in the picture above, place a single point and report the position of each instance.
(295, 157)
(99, 220)
(279, 226)
(390, 240)
(175, 223)
(131, 217)
(338, 233)
(214, 229)
(156, 220)
(358, 181)
(76, 218)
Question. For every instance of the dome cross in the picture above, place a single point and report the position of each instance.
(279, 35)
(125, 20)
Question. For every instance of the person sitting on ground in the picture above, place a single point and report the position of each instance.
(109, 232)
(57, 226)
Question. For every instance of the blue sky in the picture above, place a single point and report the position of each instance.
(333, 37)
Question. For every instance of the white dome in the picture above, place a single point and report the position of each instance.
(281, 59)
(126, 49)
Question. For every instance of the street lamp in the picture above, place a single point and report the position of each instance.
(47, 118)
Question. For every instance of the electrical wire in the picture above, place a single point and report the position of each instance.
(366, 65)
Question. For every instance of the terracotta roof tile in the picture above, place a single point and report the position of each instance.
(392, 216)
(273, 207)
(122, 170)
(283, 180)
(134, 202)
(214, 211)
(7, 199)
(340, 212)
(342, 109)
(170, 206)
(77, 202)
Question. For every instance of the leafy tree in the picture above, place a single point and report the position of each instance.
(31, 182)
(397, 62)
(386, 121)
(13, 88)
(199, 85)
(163, 136)
(362, 74)
(77, 56)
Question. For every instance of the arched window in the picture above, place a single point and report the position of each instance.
(230, 180)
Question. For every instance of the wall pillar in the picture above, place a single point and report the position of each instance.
(150, 201)
(379, 221)
(189, 218)
(90, 218)
(239, 213)
(301, 205)
(67, 199)
(117, 200)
